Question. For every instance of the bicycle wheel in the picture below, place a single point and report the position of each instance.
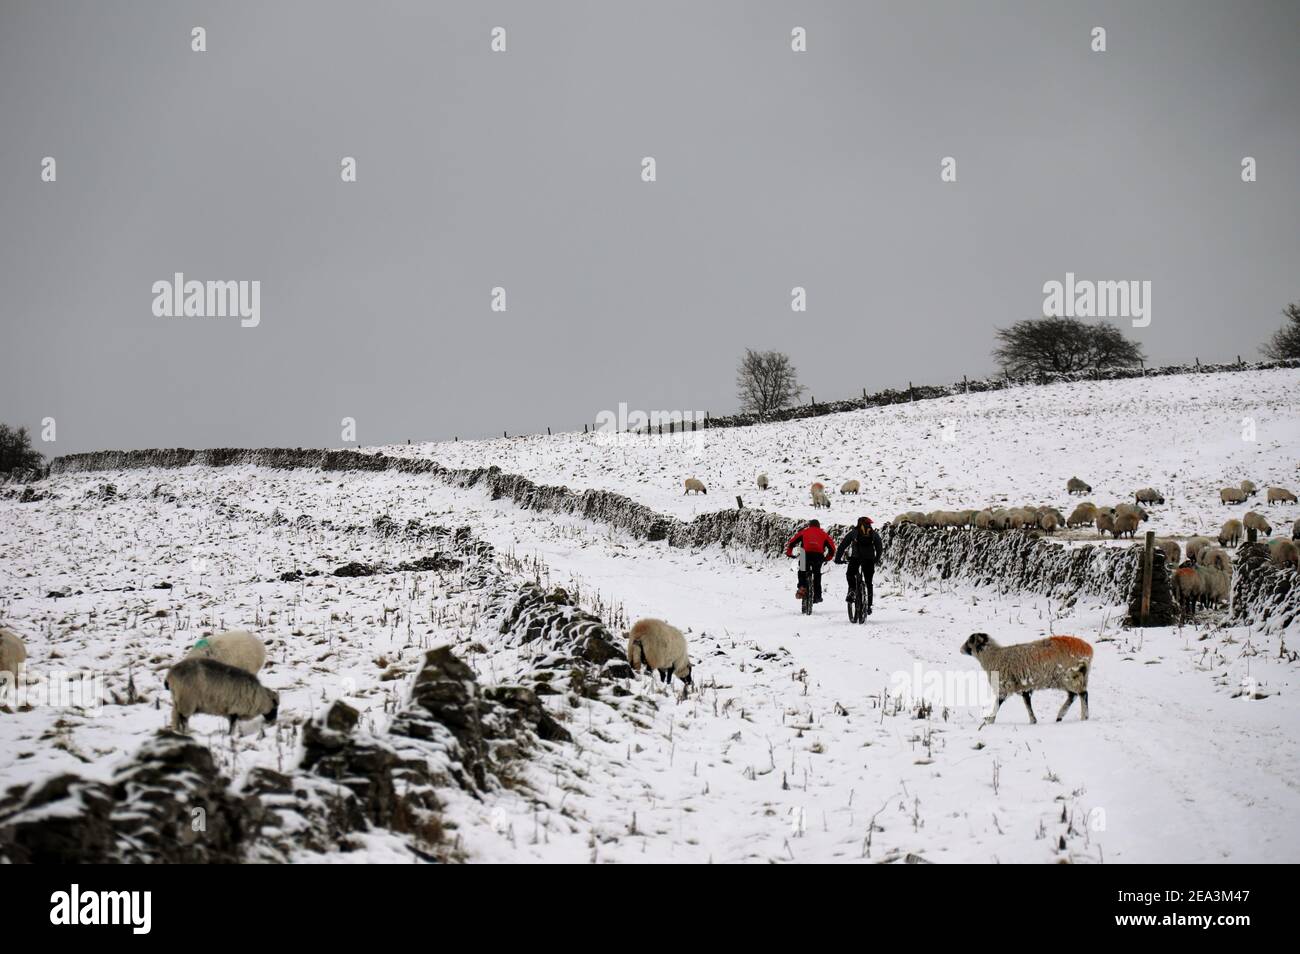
(861, 601)
(852, 604)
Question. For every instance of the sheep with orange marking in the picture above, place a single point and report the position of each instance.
(1058, 662)
(819, 498)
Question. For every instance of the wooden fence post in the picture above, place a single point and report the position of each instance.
(1147, 560)
(1251, 535)
(740, 504)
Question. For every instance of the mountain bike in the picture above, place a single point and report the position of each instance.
(807, 604)
(857, 601)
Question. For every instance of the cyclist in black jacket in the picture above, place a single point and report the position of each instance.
(860, 548)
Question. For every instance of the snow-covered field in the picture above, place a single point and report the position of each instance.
(803, 743)
(1186, 435)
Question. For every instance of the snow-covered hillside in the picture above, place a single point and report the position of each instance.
(1186, 435)
(808, 740)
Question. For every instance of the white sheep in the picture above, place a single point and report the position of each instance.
(695, 485)
(1232, 495)
(1283, 552)
(762, 481)
(1215, 557)
(1135, 509)
(1125, 523)
(1257, 522)
(1076, 486)
(1248, 488)
(1058, 662)
(214, 688)
(661, 647)
(1173, 552)
(850, 487)
(1082, 516)
(1105, 520)
(1231, 533)
(819, 498)
(1149, 495)
(13, 657)
(238, 647)
(1195, 545)
(1280, 495)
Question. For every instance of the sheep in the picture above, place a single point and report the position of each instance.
(13, 658)
(1215, 557)
(1149, 495)
(1135, 509)
(1076, 486)
(1195, 545)
(1125, 523)
(1058, 662)
(1255, 521)
(1248, 488)
(762, 481)
(1232, 495)
(1280, 495)
(1082, 516)
(1283, 552)
(1295, 530)
(209, 686)
(1173, 552)
(1230, 533)
(1188, 588)
(1215, 585)
(695, 485)
(850, 487)
(1105, 521)
(238, 648)
(1049, 522)
(661, 647)
(1001, 519)
(819, 498)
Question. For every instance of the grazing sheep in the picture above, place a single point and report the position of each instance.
(238, 648)
(819, 498)
(1255, 521)
(1135, 509)
(1215, 585)
(1076, 486)
(1280, 495)
(1048, 522)
(1001, 519)
(1058, 662)
(850, 487)
(1105, 521)
(1231, 533)
(1148, 495)
(211, 687)
(1196, 545)
(1215, 557)
(695, 485)
(984, 520)
(1283, 552)
(1295, 530)
(762, 481)
(661, 647)
(1248, 488)
(1125, 523)
(1082, 516)
(1173, 552)
(13, 656)
(1232, 495)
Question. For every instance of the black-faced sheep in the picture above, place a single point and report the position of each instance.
(850, 487)
(695, 485)
(1058, 662)
(1048, 522)
(1149, 495)
(1173, 552)
(1232, 495)
(215, 688)
(1280, 495)
(661, 647)
(1257, 522)
(238, 648)
(762, 481)
(1135, 509)
(1082, 516)
(1076, 486)
(13, 657)
(1248, 488)
(1231, 533)
(1105, 522)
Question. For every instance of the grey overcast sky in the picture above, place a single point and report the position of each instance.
(522, 169)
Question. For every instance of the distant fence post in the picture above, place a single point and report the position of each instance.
(1147, 563)
(740, 504)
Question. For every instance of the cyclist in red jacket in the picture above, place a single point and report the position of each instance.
(818, 547)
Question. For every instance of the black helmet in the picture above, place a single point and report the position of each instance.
(814, 522)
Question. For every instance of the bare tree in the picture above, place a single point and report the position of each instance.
(1285, 342)
(766, 381)
(16, 451)
(1062, 345)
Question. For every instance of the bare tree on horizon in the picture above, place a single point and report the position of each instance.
(766, 381)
